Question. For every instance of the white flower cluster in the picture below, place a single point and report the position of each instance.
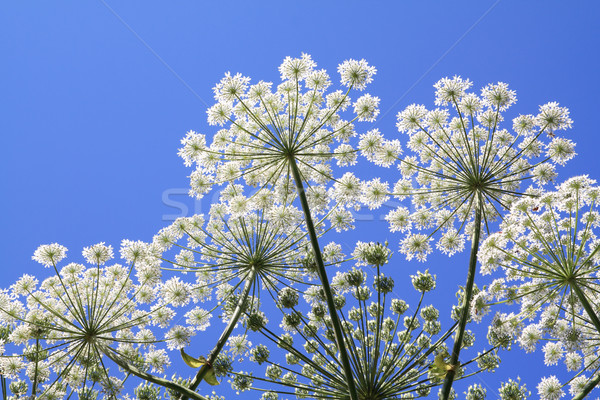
(464, 161)
(71, 322)
(549, 250)
(268, 129)
(271, 161)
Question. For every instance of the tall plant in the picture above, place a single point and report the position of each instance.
(274, 167)
(467, 170)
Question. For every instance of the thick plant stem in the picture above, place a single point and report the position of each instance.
(596, 321)
(226, 333)
(154, 379)
(335, 321)
(586, 305)
(588, 388)
(464, 313)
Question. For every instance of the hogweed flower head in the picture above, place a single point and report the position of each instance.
(463, 160)
(513, 390)
(267, 244)
(267, 127)
(392, 346)
(66, 323)
(549, 250)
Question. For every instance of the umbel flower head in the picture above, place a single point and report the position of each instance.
(231, 245)
(550, 253)
(66, 323)
(263, 246)
(395, 350)
(463, 161)
(267, 128)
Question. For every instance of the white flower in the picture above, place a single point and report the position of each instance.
(98, 253)
(49, 254)
(193, 148)
(158, 360)
(24, 286)
(176, 292)
(79, 317)
(573, 361)
(161, 315)
(345, 155)
(231, 88)
(132, 251)
(185, 258)
(411, 118)
(399, 219)
(416, 245)
(561, 150)
(375, 193)
(297, 68)
(366, 108)
(552, 117)
(553, 352)
(332, 253)
(356, 74)
(467, 165)
(577, 385)
(450, 90)
(341, 220)
(198, 318)
(178, 337)
(498, 96)
(238, 345)
(451, 242)
(219, 114)
(530, 337)
(318, 80)
(347, 189)
(550, 389)
(11, 367)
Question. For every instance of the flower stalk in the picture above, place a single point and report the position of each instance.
(151, 378)
(588, 388)
(596, 321)
(226, 333)
(586, 305)
(337, 329)
(464, 315)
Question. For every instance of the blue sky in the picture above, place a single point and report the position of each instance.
(96, 95)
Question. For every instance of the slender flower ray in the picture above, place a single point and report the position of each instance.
(386, 362)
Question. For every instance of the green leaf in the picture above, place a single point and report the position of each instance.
(209, 377)
(191, 361)
(440, 368)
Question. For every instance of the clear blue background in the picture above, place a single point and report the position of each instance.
(96, 95)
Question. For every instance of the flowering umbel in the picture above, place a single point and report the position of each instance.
(67, 322)
(396, 350)
(463, 161)
(267, 128)
(549, 251)
(82, 332)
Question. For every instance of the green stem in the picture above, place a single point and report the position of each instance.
(464, 313)
(151, 378)
(226, 333)
(586, 305)
(588, 388)
(335, 321)
(35, 375)
(596, 321)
